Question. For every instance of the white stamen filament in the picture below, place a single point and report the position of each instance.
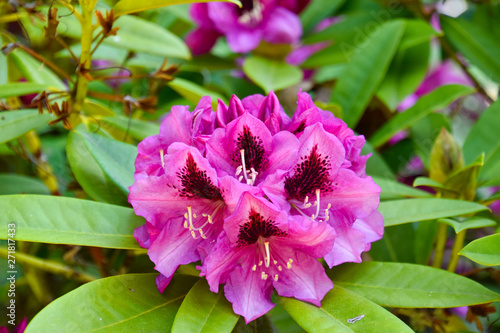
(249, 175)
(317, 216)
(267, 257)
(162, 159)
(188, 223)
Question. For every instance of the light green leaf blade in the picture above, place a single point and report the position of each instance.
(89, 173)
(485, 250)
(476, 44)
(338, 308)
(20, 88)
(133, 6)
(410, 285)
(18, 184)
(204, 311)
(15, 123)
(362, 76)
(193, 92)
(271, 74)
(431, 102)
(392, 189)
(115, 158)
(138, 129)
(139, 35)
(35, 71)
(123, 303)
(472, 223)
(423, 209)
(60, 220)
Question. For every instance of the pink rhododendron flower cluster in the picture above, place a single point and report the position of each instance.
(274, 21)
(257, 197)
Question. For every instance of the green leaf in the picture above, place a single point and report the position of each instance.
(413, 210)
(410, 286)
(133, 6)
(193, 92)
(398, 244)
(35, 71)
(60, 220)
(115, 158)
(204, 311)
(476, 44)
(431, 102)
(485, 250)
(472, 223)
(123, 303)
(17, 184)
(90, 174)
(425, 131)
(489, 175)
(139, 35)
(15, 123)
(271, 74)
(424, 241)
(426, 181)
(4, 68)
(20, 88)
(362, 76)
(317, 11)
(376, 165)
(138, 129)
(392, 189)
(337, 312)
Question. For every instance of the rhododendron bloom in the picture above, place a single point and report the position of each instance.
(256, 196)
(263, 247)
(244, 27)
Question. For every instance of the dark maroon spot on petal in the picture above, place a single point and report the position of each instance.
(300, 128)
(195, 182)
(310, 174)
(255, 154)
(257, 227)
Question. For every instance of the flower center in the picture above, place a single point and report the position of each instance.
(264, 266)
(250, 12)
(251, 156)
(257, 227)
(195, 182)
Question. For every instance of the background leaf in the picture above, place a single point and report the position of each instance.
(59, 220)
(123, 303)
(409, 285)
(472, 223)
(17, 184)
(132, 6)
(422, 209)
(138, 129)
(20, 88)
(271, 74)
(204, 311)
(485, 250)
(193, 92)
(338, 306)
(15, 123)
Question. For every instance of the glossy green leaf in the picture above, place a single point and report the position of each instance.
(431, 102)
(362, 76)
(424, 241)
(204, 311)
(96, 109)
(18, 184)
(35, 71)
(133, 6)
(411, 286)
(115, 158)
(489, 175)
(271, 74)
(4, 68)
(20, 88)
(343, 311)
(376, 165)
(15, 123)
(123, 303)
(392, 189)
(475, 43)
(138, 129)
(423, 209)
(426, 181)
(193, 92)
(139, 35)
(89, 173)
(472, 223)
(60, 220)
(317, 11)
(398, 244)
(485, 250)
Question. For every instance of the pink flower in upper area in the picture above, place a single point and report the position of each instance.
(255, 196)
(263, 247)
(445, 73)
(245, 27)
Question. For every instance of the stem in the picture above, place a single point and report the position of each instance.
(49, 266)
(72, 9)
(440, 245)
(85, 57)
(457, 246)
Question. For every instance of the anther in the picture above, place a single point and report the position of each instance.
(260, 263)
(280, 268)
(254, 268)
(263, 276)
(276, 278)
(288, 265)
